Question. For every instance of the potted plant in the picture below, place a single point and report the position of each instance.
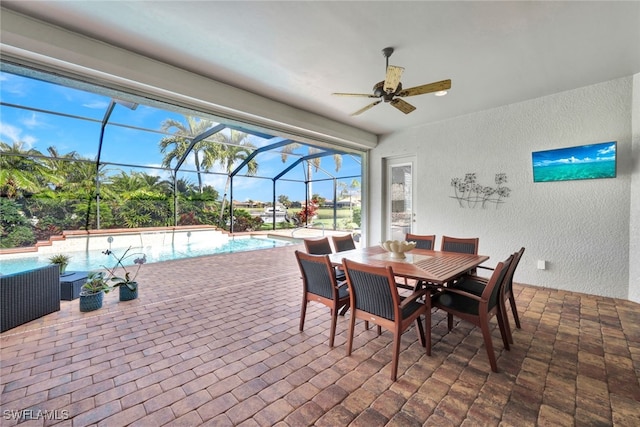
(62, 260)
(122, 277)
(92, 292)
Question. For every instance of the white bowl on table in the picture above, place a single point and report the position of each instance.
(397, 248)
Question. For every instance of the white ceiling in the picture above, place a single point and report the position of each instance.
(298, 53)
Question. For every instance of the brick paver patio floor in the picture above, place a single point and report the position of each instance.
(215, 341)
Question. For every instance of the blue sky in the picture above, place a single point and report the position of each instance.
(40, 130)
(591, 153)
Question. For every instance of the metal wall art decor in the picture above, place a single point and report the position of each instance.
(471, 194)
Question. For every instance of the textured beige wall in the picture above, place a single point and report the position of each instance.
(581, 228)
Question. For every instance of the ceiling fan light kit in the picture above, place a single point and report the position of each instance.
(390, 87)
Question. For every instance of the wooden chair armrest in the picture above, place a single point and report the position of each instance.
(463, 293)
(414, 296)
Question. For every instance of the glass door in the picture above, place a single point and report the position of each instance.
(400, 197)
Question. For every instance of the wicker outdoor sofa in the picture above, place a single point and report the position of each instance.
(28, 295)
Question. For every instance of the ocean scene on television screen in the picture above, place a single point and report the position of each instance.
(582, 162)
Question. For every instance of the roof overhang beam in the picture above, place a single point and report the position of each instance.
(278, 142)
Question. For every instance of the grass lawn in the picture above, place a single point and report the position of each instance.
(325, 216)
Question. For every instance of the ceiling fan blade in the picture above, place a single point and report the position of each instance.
(428, 88)
(366, 95)
(402, 105)
(393, 78)
(362, 110)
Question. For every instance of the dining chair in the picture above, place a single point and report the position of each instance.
(466, 245)
(461, 245)
(478, 309)
(422, 241)
(508, 288)
(319, 284)
(374, 298)
(477, 285)
(319, 246)
(322, 246)
(343, 243)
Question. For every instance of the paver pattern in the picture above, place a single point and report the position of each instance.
(215, 341)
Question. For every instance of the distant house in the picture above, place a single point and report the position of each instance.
(348, 202)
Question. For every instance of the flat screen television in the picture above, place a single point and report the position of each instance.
(582, 162)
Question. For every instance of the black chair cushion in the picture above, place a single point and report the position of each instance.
(457, 302)
(468, 284)
(410, 308)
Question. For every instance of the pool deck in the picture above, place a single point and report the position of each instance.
(214, 340)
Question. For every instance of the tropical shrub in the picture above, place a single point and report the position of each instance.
(244, 221)
(15, 229)
(308, 212)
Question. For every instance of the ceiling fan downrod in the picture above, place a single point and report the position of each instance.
(386, 52)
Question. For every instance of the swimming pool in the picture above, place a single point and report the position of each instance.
(96, 260)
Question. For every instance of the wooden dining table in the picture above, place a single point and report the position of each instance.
(424, 266)
(429, 269)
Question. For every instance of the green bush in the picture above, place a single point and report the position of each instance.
(15, 229)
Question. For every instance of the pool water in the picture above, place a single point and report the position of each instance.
(96, 260)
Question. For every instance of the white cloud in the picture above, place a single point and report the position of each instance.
(29, 141)
(10, 132)
(216, 181)
(611, 149)
(14, 134)
(31, 122)
(96, 105)
(13, 86)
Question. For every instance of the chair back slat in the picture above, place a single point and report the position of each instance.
(317, 277)
(460, 245)
(343, 243)
(372, 293)
(318, 246)
(422, 241)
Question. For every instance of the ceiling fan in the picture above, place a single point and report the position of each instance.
(390, 88)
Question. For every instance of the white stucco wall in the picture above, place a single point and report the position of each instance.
(634, 222)
(581, 228)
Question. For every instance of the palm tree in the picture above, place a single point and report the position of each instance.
(180, 140)
(62, 169)
(19, 173)
(185, 187)
(233, 147)
(290, 148)
(348, 190)
(141, 202)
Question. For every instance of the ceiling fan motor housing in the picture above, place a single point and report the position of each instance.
(378, 90)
